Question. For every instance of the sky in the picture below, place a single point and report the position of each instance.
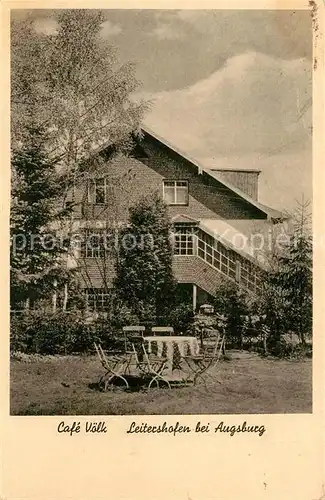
(230, 88)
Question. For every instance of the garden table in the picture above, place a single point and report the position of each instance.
(173, 347)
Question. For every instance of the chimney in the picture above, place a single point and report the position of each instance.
(245, 180)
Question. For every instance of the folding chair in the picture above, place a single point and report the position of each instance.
(200, 365)
(162, 330)
(132, 333)
(149, 365)
(115, 366)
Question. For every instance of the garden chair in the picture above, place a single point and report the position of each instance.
(132, 333)
(162, 330)
(149, 365)
(115, 366)
(201, 365)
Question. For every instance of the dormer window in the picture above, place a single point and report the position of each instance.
(97, 191)
(175, 192)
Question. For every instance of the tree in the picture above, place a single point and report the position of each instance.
(35, 255)
(295, 274)
(144, 265)
(231, 302)
(286, 296)
(71, 83)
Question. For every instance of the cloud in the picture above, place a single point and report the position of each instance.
(167, 26)
(255, 110)
(254, 103)
(110, 29)
(284, 34)
(165, 31)
(46, 25)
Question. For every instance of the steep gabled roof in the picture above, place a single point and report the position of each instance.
(269, 212)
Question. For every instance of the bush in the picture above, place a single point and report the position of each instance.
(286, 347)
(72, 332)
(232, 303)
(181, 318)
(119, 316)
(59, 333)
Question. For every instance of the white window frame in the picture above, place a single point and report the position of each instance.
(225, 260)
(92, 190)
(219, 256)
(183, 241)
(248, 275)
(90, 251)
(175, 182)
(98, 297)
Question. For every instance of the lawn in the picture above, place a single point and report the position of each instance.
(249, 384)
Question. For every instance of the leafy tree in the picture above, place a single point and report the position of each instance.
(144, 266)
(72, 83)
(35, 255)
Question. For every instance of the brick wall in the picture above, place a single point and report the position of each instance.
(132, 179)
(206, 190)
(94, 273)
(186, 269)
(129, 179)
(191, 269)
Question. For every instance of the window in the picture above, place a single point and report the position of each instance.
(229, 262)
(183, 244)
(175, 192)
(97, 299)
(250, 275)
(206, 238)
(217, 255)
(237, 276)
(94, 244)
(183, 240)
(97, 191)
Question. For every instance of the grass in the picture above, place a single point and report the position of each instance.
(67, 386)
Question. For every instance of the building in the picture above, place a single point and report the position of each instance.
(214, 213)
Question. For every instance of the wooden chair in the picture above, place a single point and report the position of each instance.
(149, 365)
(210, 341)
(162, 330)
(202, 364)
(115, 366)
(132, 333)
